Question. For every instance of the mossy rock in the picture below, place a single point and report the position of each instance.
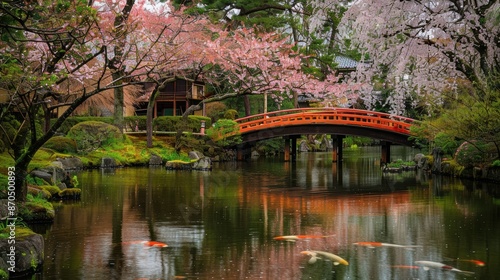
(39, 192)
(36, 212)
(29, 252)
(178, 165)
(53, 190)
(70, 194)
(61, 144)
(91, 135)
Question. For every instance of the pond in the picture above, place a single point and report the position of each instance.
(222, 224)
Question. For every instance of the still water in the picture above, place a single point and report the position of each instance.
(221, 224)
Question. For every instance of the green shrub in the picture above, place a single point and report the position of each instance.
(91, 135)
(476, 154)
(399, 163)
(496, 163)
(133, 122)
(61, 144)
(173, 123)
(446, 142)
(225, 132)
(35, 181)
(72, 121)
(231, 114)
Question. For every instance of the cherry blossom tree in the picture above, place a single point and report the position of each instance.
(57, 56)
(423, 48)
(245, 61)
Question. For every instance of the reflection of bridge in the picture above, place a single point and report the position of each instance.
(338, 122)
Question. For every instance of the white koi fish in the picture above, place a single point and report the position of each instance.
(315, 255)
(430, 264)
(370, 244)
(293, 238)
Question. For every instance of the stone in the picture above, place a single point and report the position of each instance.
(28, 253)
(46, 176)
(195, 155)
(177, 165)
(419, 160)
(155, 160)
(303, 147)
(203, 164)
(36, 191)
(70, 194)
(62, 186)
(57, 164)
(58, 175)
(70, 163)
(437, 154)
(255, 154)
(326, 144)
(107, 162)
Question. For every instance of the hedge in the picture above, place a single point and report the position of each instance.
(172, 123)
(163, 123)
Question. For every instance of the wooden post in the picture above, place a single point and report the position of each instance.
(294, 148)
(287, 149)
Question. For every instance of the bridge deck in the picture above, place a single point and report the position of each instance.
(326, 116)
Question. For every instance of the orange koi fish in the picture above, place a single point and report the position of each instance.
(370, 244)
(154, 244)
(315, 255)
(293, 238)
(148, 243)
(476, 262)
(430, 264)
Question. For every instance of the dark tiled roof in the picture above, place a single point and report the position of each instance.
(344, 62)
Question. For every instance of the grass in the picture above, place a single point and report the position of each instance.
(132, 151)
(401, 164)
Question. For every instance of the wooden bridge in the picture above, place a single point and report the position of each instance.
(337, 122)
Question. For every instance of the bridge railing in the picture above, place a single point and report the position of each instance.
(331, 116)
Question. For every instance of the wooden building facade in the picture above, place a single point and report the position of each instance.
(174, 97)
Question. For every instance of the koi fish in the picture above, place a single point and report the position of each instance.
(148, 243)
(315, 255)
(154, 244)
(380, 244)
(476, 262)
(293, 238)
(406, 266)
(429, 264)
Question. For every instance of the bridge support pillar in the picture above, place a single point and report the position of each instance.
(386, 152)
(287, 149)
(337, 147)
(243, 152)
(291, 150)
(239, 155)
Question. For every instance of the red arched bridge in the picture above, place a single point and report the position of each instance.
(334, 121)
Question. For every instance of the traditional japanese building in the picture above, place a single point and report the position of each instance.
(174, 98)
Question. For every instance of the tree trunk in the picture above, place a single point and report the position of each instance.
(265, 102)
(149, 117)
(247, 105)
(118, 119)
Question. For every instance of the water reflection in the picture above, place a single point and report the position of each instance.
(221, 224)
